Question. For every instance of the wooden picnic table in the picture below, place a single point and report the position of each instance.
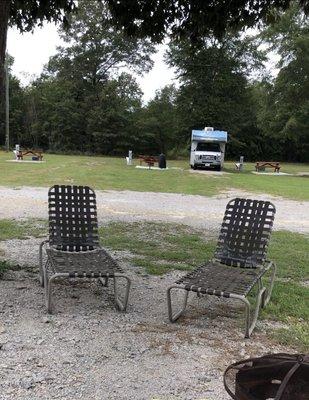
(149, 160)
(261, 165)
(35, 153)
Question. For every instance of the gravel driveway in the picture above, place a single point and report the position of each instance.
(88, 350)
(195, 211)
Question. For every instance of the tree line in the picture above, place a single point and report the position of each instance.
(87, 99)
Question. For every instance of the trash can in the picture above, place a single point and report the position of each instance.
(162, 161)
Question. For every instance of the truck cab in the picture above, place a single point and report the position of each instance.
(208, 148)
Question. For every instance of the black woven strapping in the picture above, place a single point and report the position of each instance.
(73, 221)
(242, 243)
(245, 232)
(73, 234)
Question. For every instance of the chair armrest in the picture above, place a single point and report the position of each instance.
(268, 264)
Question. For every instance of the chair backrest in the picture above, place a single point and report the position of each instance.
(73, 224)
(245, 232)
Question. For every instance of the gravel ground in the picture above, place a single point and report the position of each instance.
(195, 211)
(88, 350)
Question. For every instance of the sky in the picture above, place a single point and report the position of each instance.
(31, 52)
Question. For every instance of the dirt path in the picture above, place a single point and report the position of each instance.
(195, 211)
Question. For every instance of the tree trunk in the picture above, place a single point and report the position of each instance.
(4, 19)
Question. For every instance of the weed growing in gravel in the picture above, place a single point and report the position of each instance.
(296, 334)
(4, 265)
(11, 229)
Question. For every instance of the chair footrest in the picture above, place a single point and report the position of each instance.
(91, 264)
(220, 280)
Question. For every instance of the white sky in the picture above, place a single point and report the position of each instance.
(31, 52)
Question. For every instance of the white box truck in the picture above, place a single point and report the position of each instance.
(208, 148)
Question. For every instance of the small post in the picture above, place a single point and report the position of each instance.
(7, 104)
(162, 161)
(241, 163)
(129, 158)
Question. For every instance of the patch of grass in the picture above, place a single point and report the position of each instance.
(160, 267)
(289, 300)
(113, 173)
(172, 245)
(290, 297)
(4, 265)
(297, 334)
(290, 251)
(11, 229)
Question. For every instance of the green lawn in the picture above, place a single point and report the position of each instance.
(112, 173)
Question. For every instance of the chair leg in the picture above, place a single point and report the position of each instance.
(121, 304)
(43, 272)
(48, 283)
(41, 266)
(268, 291)
(250, 324)
(173, 317)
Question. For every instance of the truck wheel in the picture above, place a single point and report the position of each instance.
(194, 166)
(218, 168)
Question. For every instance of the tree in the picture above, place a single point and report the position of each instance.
(214, 89)
(25, 14)
(284, 120)
(85, 84)
(16, 100)
(90, 97)
(61, 118)
(17, 110)
(4, 16)
(95, 49)
(111, 123)
(192, 18)
(158, 122)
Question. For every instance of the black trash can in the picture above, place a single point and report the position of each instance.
(162, 161)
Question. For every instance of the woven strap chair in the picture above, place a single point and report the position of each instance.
(73, 249)
(239, 263)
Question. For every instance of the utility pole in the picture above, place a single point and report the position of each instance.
(7, 104)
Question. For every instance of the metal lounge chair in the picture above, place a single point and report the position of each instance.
(73, 249)
(239, 262)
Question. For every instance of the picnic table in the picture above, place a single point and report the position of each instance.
(35, 153)
(149, 160)
(261, 165)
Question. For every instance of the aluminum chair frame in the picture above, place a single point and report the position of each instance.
(239, 264)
